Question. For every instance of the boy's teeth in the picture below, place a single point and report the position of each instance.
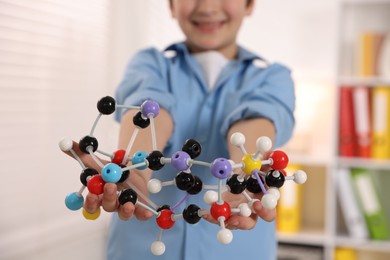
(208, 25)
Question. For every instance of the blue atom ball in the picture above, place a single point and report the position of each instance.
(74, 201)
(111, 173)
(139, 157)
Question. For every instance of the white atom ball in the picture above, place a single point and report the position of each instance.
(157, 248)
(237, 139)
(154, 186)
(210, 197)
(66, 144)
(300, 177)
(225, 236)
(269, 201)
(264, 144)
(274, 191)
(245, 210)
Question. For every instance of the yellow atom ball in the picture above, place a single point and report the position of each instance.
(90, 216)
(250, 164)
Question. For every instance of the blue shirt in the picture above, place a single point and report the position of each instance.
(243, 90)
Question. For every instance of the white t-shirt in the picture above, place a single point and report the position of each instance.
(212, 63)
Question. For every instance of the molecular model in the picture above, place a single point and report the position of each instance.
(249, 179)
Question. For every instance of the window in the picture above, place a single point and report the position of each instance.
(53, 61)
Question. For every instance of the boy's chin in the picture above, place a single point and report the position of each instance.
(204, 46)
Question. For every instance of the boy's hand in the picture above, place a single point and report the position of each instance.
(240, 222)
(251, 129)
(109, 202)
(109, 199)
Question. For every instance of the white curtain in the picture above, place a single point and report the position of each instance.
(53, 68)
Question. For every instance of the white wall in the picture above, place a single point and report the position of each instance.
(303, 35)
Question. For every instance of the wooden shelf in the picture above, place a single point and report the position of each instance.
(304, 237)
(366, 81)
(364, 163)
(368, 245)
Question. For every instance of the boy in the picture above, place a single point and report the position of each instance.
(208, 88)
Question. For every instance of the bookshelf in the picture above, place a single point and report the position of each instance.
(364, 29)
(323, 222)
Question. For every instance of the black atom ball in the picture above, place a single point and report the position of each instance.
(88, 142)
(252, 185)
(198, 186)
(236, 186)
(154, 160)
(139, 121)
(106, 105)
(192, 147)
(190, 214)
(125, 174)
(275, 179)
(184, 181)
(86, 173)
(127, 195)
(163, 207)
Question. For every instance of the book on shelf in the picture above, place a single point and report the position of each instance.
(381, 122)
(347, 133)
(384, 58)
(381, 180)
(288, 217)
(351, 211)
(369, 52)
(372, 207)
(364, 121)
(344, 253)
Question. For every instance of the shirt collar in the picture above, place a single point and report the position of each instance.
(243, 54)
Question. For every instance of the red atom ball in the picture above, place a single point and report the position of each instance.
(280, 160)
(223, 210)
(118, 157)
(95, 184)
(164, 219)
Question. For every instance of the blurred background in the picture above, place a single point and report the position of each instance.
(58, 57)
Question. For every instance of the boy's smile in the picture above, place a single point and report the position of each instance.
(211, 24)
(208, 26)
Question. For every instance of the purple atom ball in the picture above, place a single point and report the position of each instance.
(150, 108)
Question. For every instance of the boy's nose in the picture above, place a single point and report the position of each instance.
(208, 6)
